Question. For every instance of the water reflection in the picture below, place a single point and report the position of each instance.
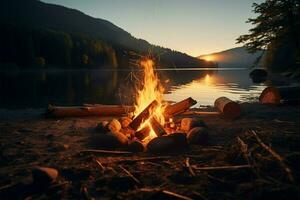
(40, 88)
(234, 84)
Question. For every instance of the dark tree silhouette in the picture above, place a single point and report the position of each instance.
(276, 29)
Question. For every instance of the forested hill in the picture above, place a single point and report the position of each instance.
(235, 57)
(37, 34)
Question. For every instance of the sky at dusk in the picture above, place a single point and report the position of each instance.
(195, 27)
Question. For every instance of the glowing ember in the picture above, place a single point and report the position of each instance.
(151, 90)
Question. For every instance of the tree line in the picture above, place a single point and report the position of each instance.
(39, 48)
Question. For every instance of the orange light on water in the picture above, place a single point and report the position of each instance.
(207, 78)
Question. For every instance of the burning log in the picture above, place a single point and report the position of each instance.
(228, 108)
(144, 115)
(274, 95)
(157, 127)
(179, 107)
(143, 133)
(85, 111)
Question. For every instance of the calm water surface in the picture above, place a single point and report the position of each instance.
(36, 89)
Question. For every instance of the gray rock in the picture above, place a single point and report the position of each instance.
(102, 127)
(189, 123)
(169, 143)
(136, 146)
(110, 140)
(198, 135)
(44, 175)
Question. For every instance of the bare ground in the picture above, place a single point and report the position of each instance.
(28, 140)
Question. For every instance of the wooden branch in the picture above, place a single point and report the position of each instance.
(129, 174)
(179, 107)
(144, 115)
(167, 192)
(105, 151)
(86, 111)
(232, 167)
(157, 127)
(280, 160)
(187, 164)
(201, 113)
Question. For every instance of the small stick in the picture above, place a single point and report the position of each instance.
(178, 196)
(139, 159)
(167, 192)
(200, 113)
(187, 164)
(105, 151)
(129, 174)
(275, 155)
(244, 149)
(100, 164)
(86, 193)
(232, 167)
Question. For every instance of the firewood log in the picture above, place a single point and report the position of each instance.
(228, 108)
(274, 95)
(157, 127)
(179, 107)
(144, 115)
(85, 111)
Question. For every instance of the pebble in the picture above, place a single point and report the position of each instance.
(110, 140)
(136, 146)
(198, 135)
(44, 175)
(102, 127)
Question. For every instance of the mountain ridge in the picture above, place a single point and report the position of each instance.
(34, 14)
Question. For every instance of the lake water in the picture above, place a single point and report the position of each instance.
(36, 89)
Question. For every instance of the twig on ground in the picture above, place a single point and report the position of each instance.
(287, 170)
(138, 159)
(232, 167)
(129, 174)
(86, 193)
(187, 164)
(105, 151)
(167, 192)
(100, 164)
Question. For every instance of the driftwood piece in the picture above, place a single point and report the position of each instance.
(85, 111)
(157, 127)
(179, 107)
(274, 95)
(227, 107)
(144, 115)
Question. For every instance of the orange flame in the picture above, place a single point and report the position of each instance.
(151, 90)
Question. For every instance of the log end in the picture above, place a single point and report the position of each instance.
(232, 110)
(270, 95)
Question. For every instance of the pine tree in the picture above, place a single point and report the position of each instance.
(275, 28)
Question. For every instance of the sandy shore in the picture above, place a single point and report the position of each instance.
(27, 139)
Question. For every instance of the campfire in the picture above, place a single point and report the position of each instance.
(151, 123)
